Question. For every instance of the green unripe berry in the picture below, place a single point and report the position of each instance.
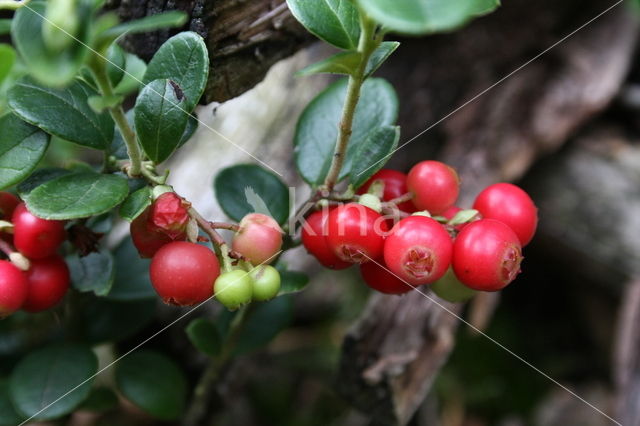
(233, 289)
(266, 282)
(451, 289)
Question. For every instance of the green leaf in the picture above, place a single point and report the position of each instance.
(463, 216)
(5, 26)
(103, 320)
(335, 21)
(49, 67)
(425, 16)
(116, 62)
(62, 112)
(93, 272)
(373, 153)
(135, 204)
(340, 63)
(7, 59)
(380, 55)
(100, 400)
(204, 335)
(45, 375)
(100, 103)
(238, 186)
(8, 414)
(77, 195)
(160, 118)
(132, 274)
(192, 126)
(22, 146)
(292, 281)
(264, 323)
(170, 19)
(134, 71)
(317, 129)
(39, 177)
(154, 383)
(183, 59)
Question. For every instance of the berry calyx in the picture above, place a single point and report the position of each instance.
(379, 279)
(34, 237)
(183, 273)
(418, 250)
(487, 255)
(435, 186)
(234, 289)
(13, 288)
(170, 214)
(48, 281)
(313, 233)
(395, 185)
(258, 239)
(265, 282)
(510, 205)
(356, 233)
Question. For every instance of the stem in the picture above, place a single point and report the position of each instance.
(225, 225)
(217, 239)
(366, 45)
(399, 200)
(98, 66)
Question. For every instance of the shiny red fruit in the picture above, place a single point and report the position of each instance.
(395, 185)
(314, 233)
(259, 238)
(510, 205)
(356, 233)
(34, 237)
(48, 281)
(418, 250)
(13, 288)
(8, 203)
(486, 255)
(147, 238)
(183, 273)
(435, 186)
(170, 214)
(378, 278)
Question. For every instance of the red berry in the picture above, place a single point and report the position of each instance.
(418, 250)
(380, 279)
(8, 203)
(356, 233)
(13, 288)
(486, 255)
(34, 237)
(395, 185)
(48, 281)
(259, 238)
(183, 273)
(510, 205)
(170, 214)
(435, 186)
(147, 238)
(314, 233)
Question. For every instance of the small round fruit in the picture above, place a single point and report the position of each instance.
(435, 186)
(48, 281)
(34, 237)
(380, 279)
(266, 282)
(314, 238)
(356, 233)
(13, 288)
(183, 273)
(418, 250)
(395, 185)
(259, 238)
(234, 289)
(147, 238)
(510, 205)
(449, 288)
(486, 255)
(8, 203)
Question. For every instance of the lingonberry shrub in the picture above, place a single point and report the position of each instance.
(356, 233)
(395, 186)
(487, 255)
(377, 276)
(258, 239)
(13, 288)
(35, 237)
(314, 238)
(48, 282)
(434, 185)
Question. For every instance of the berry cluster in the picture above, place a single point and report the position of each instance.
(481, 246)
(186, 273)
(34, 278)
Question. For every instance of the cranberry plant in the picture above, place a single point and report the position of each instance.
(66, 78)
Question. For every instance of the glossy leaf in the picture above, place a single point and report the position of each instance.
(62, 112)
(93, 272)
(22, 146)
(340, 63)
(373, 153)
(135, 204)
(264, 323)
(103, 320)
(292, 281)
(8, 414)
(116, 63)
(380, 55)
(45, 375)
(236, 186)
(134, 70)
(77, 195)
(170, 19)
(425, 16)
(317, 129)
(160, 118)
(204, 335)
(154, 383)
(335, 21)
(7, 59)
(132, 274)
(183, 59)
(39, 177)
